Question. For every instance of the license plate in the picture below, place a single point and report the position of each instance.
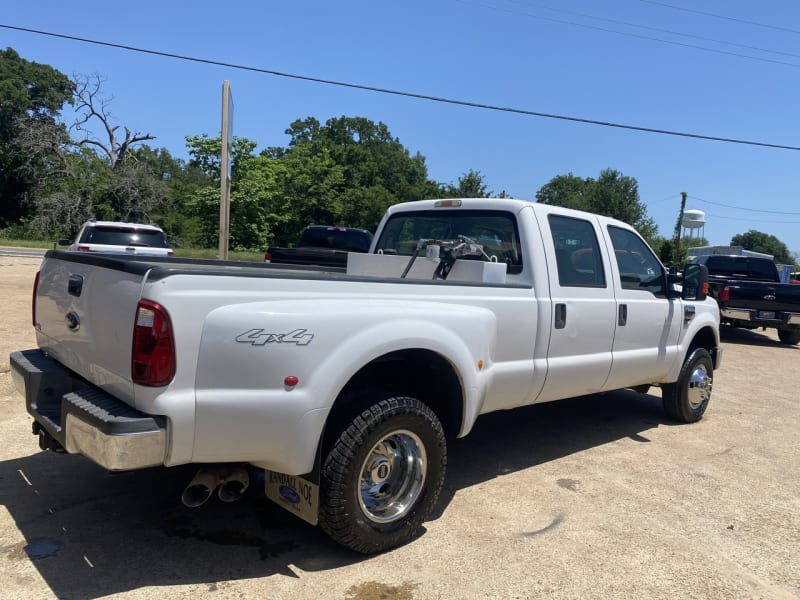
(295, 494)
(766, 314)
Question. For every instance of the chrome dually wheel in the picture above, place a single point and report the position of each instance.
(382, 475)
(393, 476)
(687, 399)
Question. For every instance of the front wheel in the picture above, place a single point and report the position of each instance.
(687, 399)
(382, 476)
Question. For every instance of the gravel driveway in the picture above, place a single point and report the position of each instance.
(595, 497)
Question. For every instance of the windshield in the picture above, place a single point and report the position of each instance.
(495, 230)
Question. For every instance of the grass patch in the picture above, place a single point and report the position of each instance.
(213, 253)
(29, 244)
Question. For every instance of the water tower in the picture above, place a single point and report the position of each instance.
(693, 220)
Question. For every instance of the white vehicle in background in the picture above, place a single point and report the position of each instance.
(120, 238)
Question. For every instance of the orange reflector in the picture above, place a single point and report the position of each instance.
(480, 364)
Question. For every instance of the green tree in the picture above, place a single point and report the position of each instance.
(70, 180)
(568, 191)
(612, 194)
(69, 198)
(665, 248)
(757, 241)
(30, 94)
(63, 180)
(183, 180)
(314, 186)
(470, 185)
(347, 171)
(259, 206)
(367, 152)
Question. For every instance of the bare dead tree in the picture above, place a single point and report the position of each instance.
(60, 211)
(137, 192)
(92, 106)
(45, 148)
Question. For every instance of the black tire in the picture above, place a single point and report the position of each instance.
(382, 476)
(687, 399)
(789, 336)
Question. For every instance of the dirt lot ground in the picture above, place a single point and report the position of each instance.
(596, 497)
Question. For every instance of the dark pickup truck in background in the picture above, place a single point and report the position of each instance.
(322, 245)
(750, 294)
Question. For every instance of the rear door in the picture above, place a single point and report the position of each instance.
(583, 315)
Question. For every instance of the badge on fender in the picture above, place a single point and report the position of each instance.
(260, 337)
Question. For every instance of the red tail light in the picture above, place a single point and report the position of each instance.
(83, 249)
(725, 294)
(33, 299)
(153, 355)
(267, 257)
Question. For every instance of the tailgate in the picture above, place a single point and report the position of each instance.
(85, 308)
(780, 297)
(787, 297)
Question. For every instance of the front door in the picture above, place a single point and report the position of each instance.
(648, 323)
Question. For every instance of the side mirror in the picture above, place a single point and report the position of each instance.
(695, 282)
(63, 242)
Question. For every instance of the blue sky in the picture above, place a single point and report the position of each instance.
(722, 68)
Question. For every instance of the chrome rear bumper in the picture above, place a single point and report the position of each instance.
(84, 419)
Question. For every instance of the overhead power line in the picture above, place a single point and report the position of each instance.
(419, 96)
(670, 197)
(643, 37)
(763, 221)
(725, 17)
(758, 210)
(669, 32)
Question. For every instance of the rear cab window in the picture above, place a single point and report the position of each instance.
(495, 230)
(336, 238)
(124, 236)
(743, 267)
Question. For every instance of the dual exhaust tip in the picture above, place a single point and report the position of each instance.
(229, 481)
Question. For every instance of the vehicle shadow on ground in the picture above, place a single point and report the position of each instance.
(91, 534)
(749, 337)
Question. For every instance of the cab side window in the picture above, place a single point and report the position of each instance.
(639, 268)
(578, 256)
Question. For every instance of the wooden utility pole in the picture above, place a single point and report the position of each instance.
(678, 257)
(226, 140)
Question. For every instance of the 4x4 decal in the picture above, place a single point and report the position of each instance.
(260, 337)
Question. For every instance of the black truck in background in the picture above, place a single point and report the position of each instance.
(750, 294)
(323, 246)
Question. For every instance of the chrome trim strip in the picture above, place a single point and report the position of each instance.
(737, 313)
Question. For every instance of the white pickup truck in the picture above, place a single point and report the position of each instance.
(344, 384)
